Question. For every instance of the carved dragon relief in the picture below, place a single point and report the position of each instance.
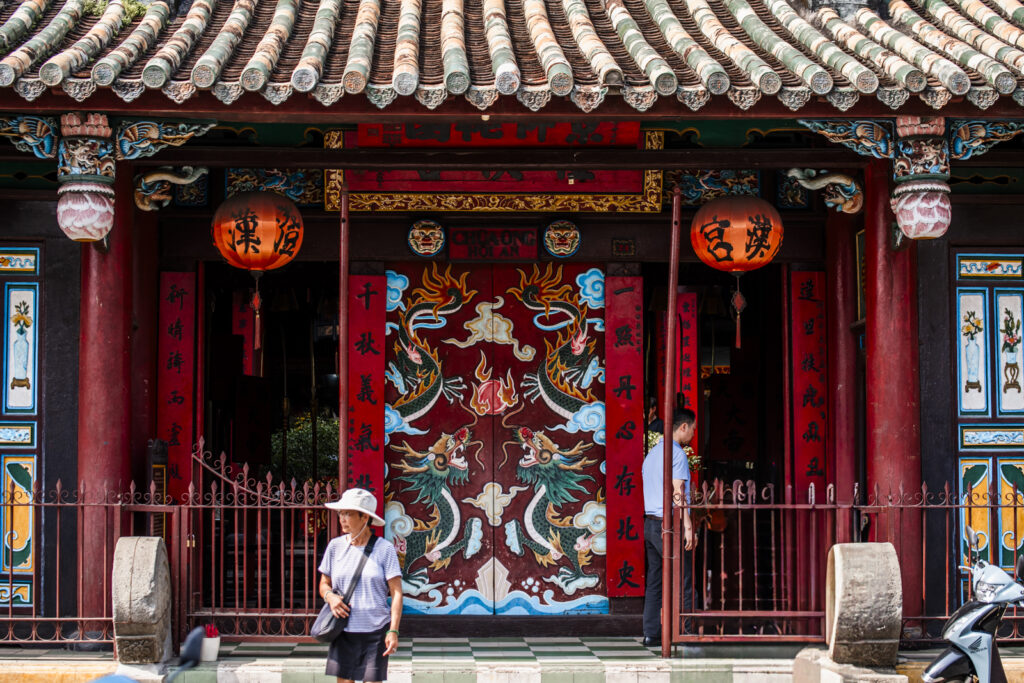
(153, 189)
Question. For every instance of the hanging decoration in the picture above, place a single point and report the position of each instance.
(736, 235)
(562, 239)
(426, 238)
(257, 231)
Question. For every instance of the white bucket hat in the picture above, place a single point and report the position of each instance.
(359, 500)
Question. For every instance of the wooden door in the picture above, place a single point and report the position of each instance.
(495, 434)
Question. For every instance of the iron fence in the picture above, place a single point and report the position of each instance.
(758, 570)
(244, 552)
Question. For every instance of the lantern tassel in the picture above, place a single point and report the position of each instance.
(738, 304)
(256, 303)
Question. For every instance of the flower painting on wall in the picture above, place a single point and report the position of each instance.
(973, 351)
(1009, 395)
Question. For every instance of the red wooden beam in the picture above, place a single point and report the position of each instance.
(831, 157)
(667, 408)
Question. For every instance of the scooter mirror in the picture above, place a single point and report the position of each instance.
(1020, 567)
(974, 538)
(192, 647)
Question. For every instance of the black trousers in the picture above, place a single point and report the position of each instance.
(652, 594)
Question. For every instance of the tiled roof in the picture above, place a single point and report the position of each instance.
(432, 50)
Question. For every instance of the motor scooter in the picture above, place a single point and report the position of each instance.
(190, 650)
(971, 630)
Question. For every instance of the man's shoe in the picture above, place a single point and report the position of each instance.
(651, 641)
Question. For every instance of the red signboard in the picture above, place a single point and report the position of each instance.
(175, 368)
(810, 385)
(243, 323)
(624, 455)
(365, 380)
(487, 134)
(492, 244)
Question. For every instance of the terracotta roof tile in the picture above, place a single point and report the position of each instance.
(585, 50)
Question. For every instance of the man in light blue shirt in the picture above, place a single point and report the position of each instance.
(683, 423)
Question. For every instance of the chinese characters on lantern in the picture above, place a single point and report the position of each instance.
(810, 380)
(175, 368)
(624, 331)
(365, 383)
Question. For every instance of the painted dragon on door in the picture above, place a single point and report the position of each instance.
(430, 476)
(416, 370)
(446, 512)
(554, 474)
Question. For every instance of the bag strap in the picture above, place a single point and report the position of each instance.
(367, 549)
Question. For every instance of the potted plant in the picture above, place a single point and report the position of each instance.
(211, 644)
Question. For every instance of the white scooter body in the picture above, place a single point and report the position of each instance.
(971, 630)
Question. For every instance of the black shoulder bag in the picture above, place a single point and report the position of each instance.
(327, 627)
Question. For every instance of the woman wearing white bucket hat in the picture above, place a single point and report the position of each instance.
(371, 634)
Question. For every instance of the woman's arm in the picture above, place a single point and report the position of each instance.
(391, 637)
(326, 590)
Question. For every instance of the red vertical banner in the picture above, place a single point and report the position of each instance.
(687, 354)
(688, 362)
(243, 323)
(810, 387)
(366, 317)
(624, 417)
(175, 376)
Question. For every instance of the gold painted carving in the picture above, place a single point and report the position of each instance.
(648, 200)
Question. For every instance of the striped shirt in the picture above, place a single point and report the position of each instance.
(369, 604)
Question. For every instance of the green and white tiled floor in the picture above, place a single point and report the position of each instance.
(433, 660)
(493, 660)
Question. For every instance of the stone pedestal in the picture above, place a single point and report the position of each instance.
(863, 604)
(142, 600)
(813, 665)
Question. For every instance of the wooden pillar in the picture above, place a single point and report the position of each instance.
(841, 453)
(145, 291)
(104, 390)
(893, 401)
(667, 408)
(343, 258)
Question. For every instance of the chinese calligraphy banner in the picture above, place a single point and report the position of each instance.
(686, 355)
(175, 368)
(810, 382)
(624, 367)
(365, 382)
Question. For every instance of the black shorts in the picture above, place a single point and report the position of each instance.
(358, 656)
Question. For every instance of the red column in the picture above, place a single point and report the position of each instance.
(104, 390)
(343, 259)
(841, 266)
(145, 280)
(893, 402)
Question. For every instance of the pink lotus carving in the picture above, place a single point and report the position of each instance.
(922, 209)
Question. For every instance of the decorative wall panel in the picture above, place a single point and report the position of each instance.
(20, 437)
(1007, 351)
(21, 348)
(495, 427)
(973, 365)
(989, 432)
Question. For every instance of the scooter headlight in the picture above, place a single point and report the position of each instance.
(985, 592)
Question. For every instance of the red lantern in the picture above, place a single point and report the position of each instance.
(257, 231)
(735, 235)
